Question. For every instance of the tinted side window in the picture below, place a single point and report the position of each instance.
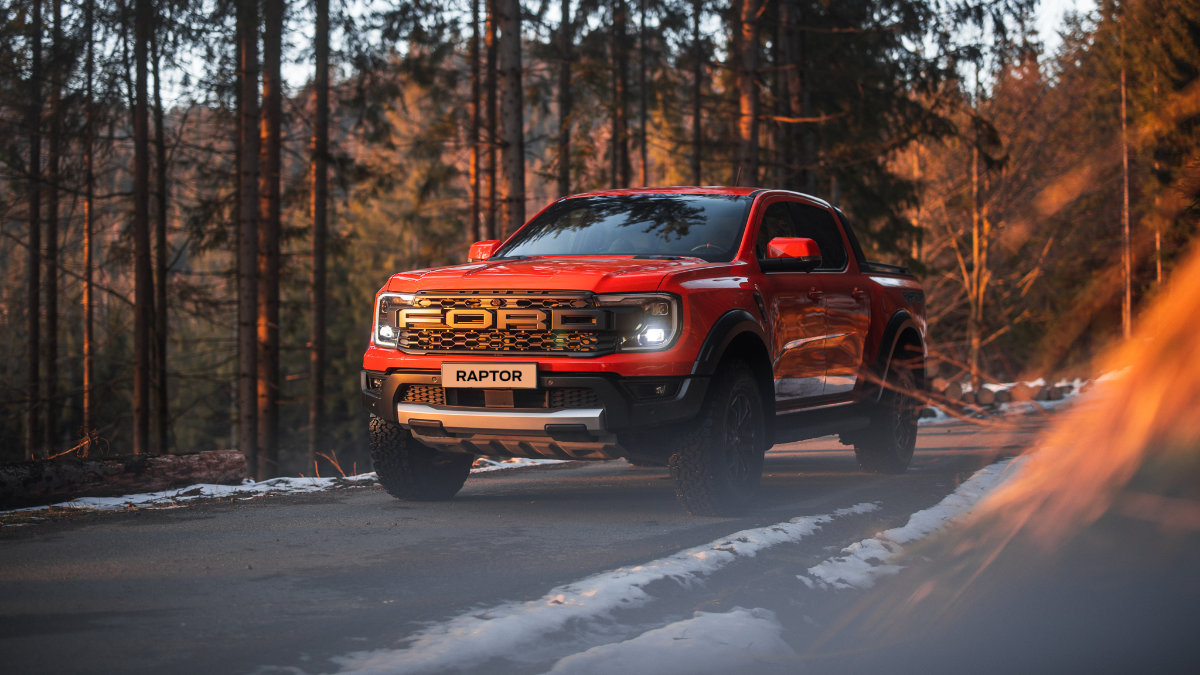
(818, 224)
(776, 222)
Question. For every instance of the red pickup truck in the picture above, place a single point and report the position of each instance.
(687, 327)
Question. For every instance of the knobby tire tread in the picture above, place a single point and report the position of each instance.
(410, 471)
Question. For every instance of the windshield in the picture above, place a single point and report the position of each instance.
(702, 226)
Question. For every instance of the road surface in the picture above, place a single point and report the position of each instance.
(346, 578)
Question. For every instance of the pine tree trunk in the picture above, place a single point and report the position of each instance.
(320, 197)
(643, 103)
(784, 66)
(803, 94)
(143, 278)
(512, 117)
(53, 157)
(619, 151)
(268, 243)
(161, 405)
(89, 215)
(1126, 248)
(746, 54)
(475, 228)
(33, 296)
(697, 91)
(565, 37)
(492, 131)
(247, 255)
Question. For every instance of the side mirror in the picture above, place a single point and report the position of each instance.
(482, 250)
(797, 251)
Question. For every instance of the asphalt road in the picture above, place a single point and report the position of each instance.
(285, 584)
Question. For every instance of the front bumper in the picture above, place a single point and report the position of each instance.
(616, 406)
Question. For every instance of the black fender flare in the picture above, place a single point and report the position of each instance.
(896, 326)
(723, 332)
(731, 326)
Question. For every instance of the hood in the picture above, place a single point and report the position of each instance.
(600, 274)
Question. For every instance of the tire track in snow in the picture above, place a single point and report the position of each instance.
(750, 640)
(862, 562)
(475, 637)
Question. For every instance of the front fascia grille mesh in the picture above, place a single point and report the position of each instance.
(561, 342)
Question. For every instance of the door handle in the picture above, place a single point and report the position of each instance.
(815, 294)
(858, 294)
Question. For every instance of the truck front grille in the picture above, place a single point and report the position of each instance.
(444, 340)
(501, 341)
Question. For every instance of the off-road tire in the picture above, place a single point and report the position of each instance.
(411, 471)
(718, 463)
(887, 445)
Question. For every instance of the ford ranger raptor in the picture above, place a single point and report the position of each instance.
(692, 328)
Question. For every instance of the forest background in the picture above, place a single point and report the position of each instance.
(199, 198)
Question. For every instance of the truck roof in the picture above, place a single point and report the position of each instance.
(696, 190)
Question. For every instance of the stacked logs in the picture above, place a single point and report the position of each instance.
(947, 389)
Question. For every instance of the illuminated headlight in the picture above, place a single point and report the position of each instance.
(644, 321)
(387, 307)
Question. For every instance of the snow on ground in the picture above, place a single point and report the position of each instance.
(737, 641)
(250, 489)
(477, 636)
(485, 464)
(861, 563)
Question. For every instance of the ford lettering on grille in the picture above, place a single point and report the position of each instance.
(499, 322)
(503, 319)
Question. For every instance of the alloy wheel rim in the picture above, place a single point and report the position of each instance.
(740, 436)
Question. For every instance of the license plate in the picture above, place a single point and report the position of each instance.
(490, 375)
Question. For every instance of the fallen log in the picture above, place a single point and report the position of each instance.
(48, 481)
(951, 391)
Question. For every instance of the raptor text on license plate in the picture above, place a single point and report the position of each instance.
(490, 375)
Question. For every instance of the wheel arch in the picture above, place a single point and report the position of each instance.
(738, 335)
(900, 334)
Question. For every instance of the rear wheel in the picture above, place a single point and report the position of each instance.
(887, 445)
(718, 465)
(411, 471)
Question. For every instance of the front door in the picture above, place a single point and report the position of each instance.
(795, 308)
(847, 309)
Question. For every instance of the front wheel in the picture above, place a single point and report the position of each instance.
(411, 471)
(887, 445)
(718, 466)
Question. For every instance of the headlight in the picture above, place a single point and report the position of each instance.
(644, 321)
(387, 305)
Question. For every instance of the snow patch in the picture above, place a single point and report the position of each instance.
(475, 637)
(486, 464)
(740, 640)
(250, 489)
(861, 563)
